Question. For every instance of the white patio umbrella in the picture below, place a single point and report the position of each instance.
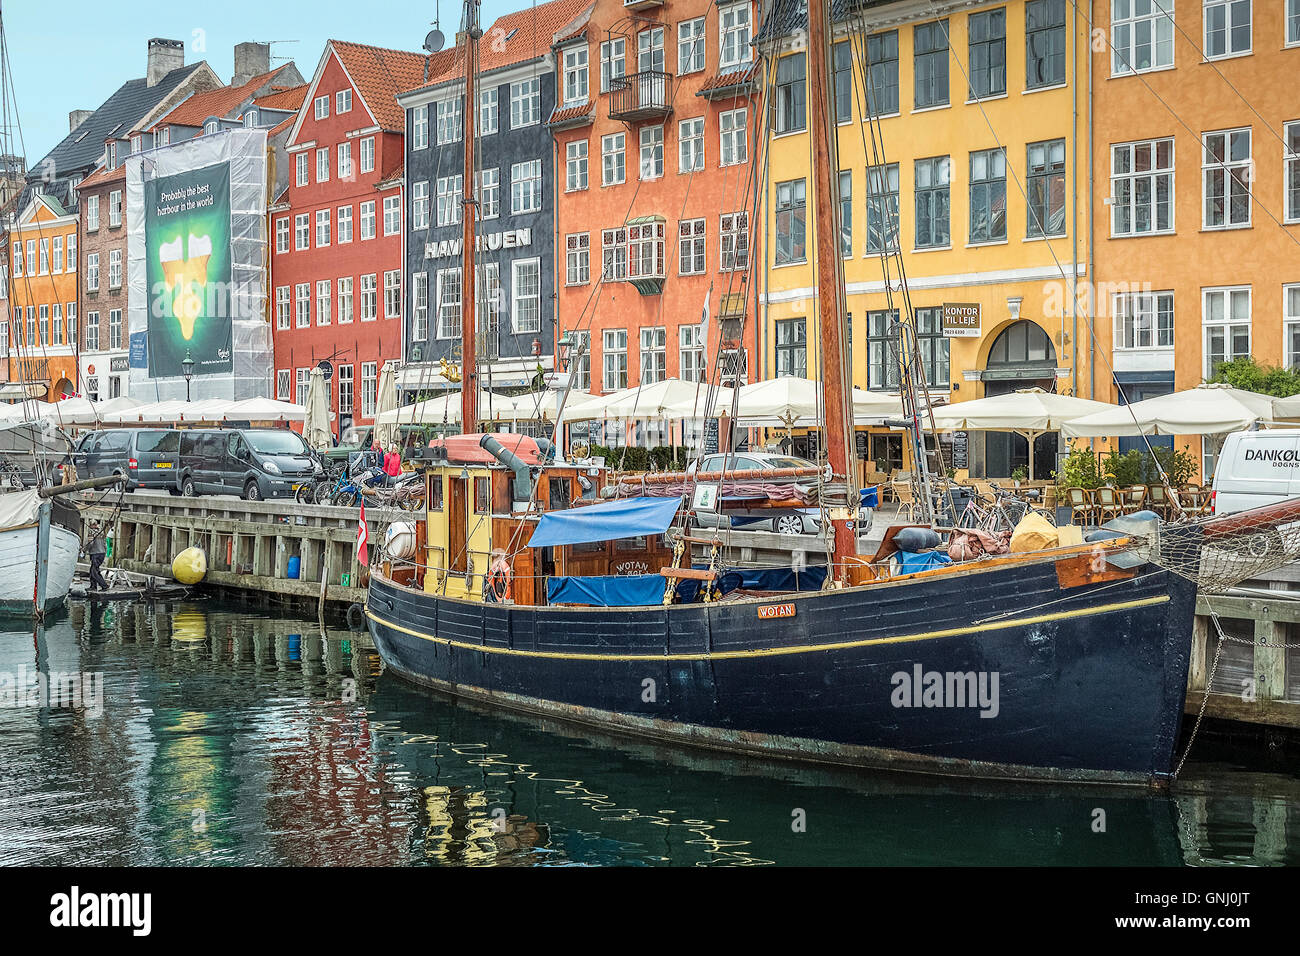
(1207, 409)
(1028, 412)
(205, 410)
(316, 429)
(432, 411)
(71, 411)
(652, 401)
(264, 410)
(121, 403)
(386, 401)
(150, 413)
(796, 403)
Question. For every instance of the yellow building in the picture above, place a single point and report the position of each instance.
(43, 299)
(975, 168)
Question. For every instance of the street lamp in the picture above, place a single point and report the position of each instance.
(187, 367)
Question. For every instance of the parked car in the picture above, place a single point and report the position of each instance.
(783, 521)
(1257, 468)
(145, 457)
(362, 438)
(254, 463)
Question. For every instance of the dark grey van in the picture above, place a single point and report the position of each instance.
(145, 457)
(254, 463)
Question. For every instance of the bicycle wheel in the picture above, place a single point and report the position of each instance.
(344, 499)
(306, 493)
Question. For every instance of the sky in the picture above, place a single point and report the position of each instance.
(77, 58)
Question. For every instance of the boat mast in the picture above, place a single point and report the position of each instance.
(830, 282)
(469, 202)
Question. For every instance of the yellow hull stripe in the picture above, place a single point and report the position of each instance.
(778, 651)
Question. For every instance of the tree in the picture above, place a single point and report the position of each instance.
(1249, 375)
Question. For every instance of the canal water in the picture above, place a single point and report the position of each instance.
(206, 734)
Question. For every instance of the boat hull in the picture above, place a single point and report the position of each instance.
(18, 559)
(1080, 683)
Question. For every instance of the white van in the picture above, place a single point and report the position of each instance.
(1257, 468)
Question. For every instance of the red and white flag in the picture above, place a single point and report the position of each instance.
(363, 535)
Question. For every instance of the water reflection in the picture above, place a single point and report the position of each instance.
(232, 737)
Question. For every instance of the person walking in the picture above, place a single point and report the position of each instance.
(96, 549)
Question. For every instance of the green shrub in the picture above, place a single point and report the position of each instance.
(1080, 469)
(1246, 373)
(1127, 469)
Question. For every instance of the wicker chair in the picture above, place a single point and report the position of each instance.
(1108, 503)
(1135, 497)
(1158, 500)
(1082, 509)
(905, 495)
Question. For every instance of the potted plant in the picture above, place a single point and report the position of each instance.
(1019, 474)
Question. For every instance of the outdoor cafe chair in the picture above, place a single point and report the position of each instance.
(1108, 503)
(1081, 506)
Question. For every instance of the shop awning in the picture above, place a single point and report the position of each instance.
(625, 518)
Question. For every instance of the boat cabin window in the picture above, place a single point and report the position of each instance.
(435, 493)
(587, 547)
(638, 543)
(558, 494)
(482, 496)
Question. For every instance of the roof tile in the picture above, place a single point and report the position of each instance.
(219, 102)
(379, 75)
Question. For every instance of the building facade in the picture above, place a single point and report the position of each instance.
(43, 298)
(337, 229)
(961, 150)
(655, 135)
(102, 353)
(1196, 210)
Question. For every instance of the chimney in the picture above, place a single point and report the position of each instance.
(164, 56)
(251, 59)
(77, 117)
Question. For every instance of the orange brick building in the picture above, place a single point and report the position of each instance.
(43, 298)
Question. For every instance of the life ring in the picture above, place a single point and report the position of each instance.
(499, 580)
(356, 617)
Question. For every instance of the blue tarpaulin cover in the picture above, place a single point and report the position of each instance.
(911, 561)
(810, 578)
(625, 518)
(614, 590)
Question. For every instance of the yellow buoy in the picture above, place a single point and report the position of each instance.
(189, 566)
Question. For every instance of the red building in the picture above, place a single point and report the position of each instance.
(336, 264)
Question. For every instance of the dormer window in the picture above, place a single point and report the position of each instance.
(164, 136)
(210, 127)
(137, 143)
(250, 119)
(112, 155)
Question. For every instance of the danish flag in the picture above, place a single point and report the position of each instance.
(363, 535)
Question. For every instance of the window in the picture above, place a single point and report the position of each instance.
(526, 187)
(792, 348)
(654, 355)
(791, 95)
(449, 202)
(115, 329)
(45, 324)
(115, 268)
(31, 257)
(45, 257)
(1225, 314)
(345, 300)
(791, 210)
(302, 304)
(71, 312)
(846, 213)
(1144, 320)
(56, 321)
(490, 304)
(932, 202)
(1292, 22)
(300, 165)
(1291, 324)
(92, 220)
(4, 339)
(322, 228)
(489, 198)
(368, 155)
(345, 162)
(734, 35)
(1142, 187)
(92, 332)
(343, 101)
(575, 75)
(882, 208)
(690, 247)
(733, 135)
(650, 50)
(283, 307)
(613, 163)
(930, 64)
(1227, 28)
(842, 62)
(614, 356)
(882, 348)
(323, 306)
(282, 233)
(369, 297)
(137, 143)
(1291, 170)
(30, 338)
(1044, 43)
(303, 385)
(165, 136)
(613, 255)
(71, 261)
(301, 231)
(526, 103)
(882, 76)
(613, 61)
(1141, 35)
(1227, 170)
(448, 303)
(345, 224)
(115, 208)
(368, 220)
(369, 388)
(489, 115)
(92, 272)
(322, 105)
(690, 46)
(323, 164)
(575, 176)
(392, 215)
(449, 121)
(690, 353)
(346, 399)
(988, 196)
(734, 232)
(1045, 183)
(393, 294)
(526, 275)
(420, 127)
(645, 250)
(282, 379)
(933, 346)
(652, 152)
(988, 53)
(690, 141)
(577, 258)
(419, 306)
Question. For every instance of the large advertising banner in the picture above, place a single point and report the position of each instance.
(187, 260)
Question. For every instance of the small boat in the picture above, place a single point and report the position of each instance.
(39, 541)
